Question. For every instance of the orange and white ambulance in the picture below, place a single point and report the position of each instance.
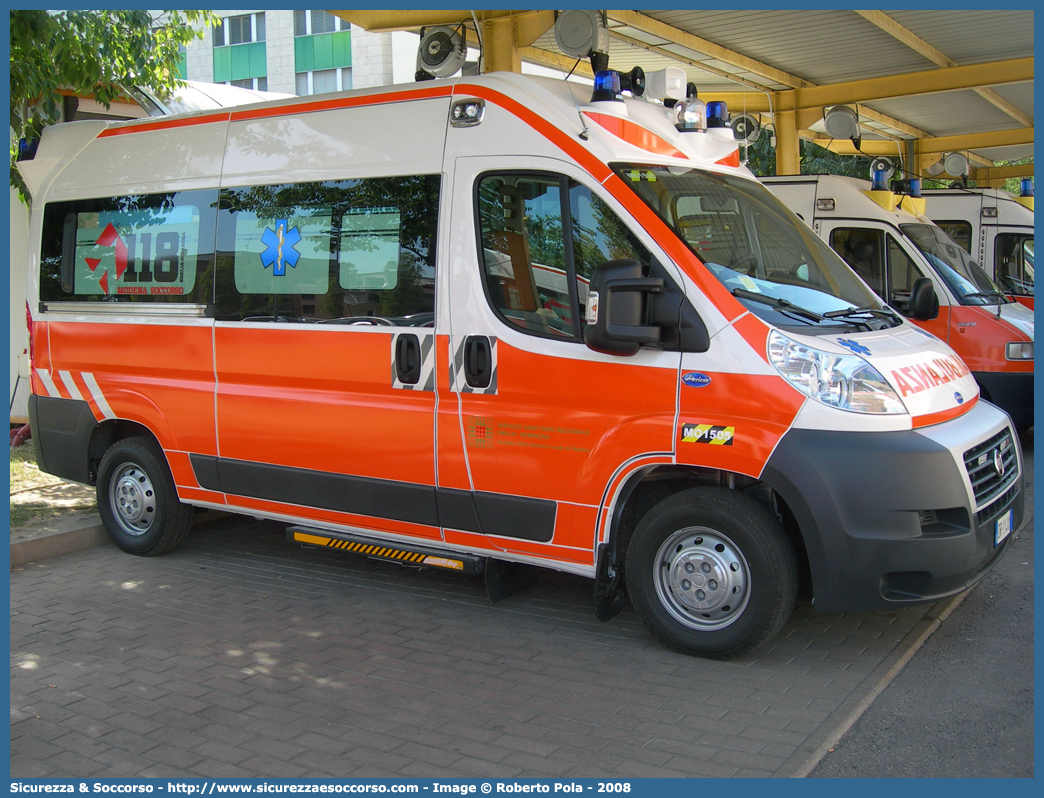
(995, 227)
(887, 239)
(494, 320)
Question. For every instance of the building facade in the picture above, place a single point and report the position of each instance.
(298, 52)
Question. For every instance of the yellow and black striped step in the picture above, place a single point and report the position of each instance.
(414, 555)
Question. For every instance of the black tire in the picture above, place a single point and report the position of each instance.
(137, 500)
(711, 572)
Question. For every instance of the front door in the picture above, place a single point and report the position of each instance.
(549, 426)
(881, 261)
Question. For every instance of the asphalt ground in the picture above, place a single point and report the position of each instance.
(243, 655)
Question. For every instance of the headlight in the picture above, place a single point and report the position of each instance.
(846, 382)
(1019, 350)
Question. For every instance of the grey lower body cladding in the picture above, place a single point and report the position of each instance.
(470, 511)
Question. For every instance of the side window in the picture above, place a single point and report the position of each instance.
(960, 231)
(523, 252)
(339, 252)
(154, 248)
(1013, 263)
(598, 235)
(902, 272)
(537, 260)
(863, 250)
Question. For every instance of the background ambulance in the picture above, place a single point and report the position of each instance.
(996, 227)
(888, 241)
(476, 323)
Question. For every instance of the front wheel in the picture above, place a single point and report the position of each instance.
(712, 572)
(137, 500)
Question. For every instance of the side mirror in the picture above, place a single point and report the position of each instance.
(616, 308)
(924, 304)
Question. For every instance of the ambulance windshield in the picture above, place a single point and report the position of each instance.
(969, 283)
(759, 249)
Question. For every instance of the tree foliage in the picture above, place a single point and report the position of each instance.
(814, 160)
(93, 54)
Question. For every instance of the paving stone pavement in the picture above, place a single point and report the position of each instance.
(243, 655)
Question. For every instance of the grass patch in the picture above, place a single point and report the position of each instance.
(59, 498)
(22, 514)
(25, 473)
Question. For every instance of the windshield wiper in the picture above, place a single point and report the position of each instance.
(851, 313)
(987, 294)
(776, 302)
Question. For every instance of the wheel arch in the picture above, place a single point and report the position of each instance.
(645, 488)
(111, 431)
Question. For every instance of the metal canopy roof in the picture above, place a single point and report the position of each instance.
(924, 82)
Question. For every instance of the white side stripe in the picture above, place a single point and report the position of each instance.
(70, 385)
(97, 395)
(48, 383)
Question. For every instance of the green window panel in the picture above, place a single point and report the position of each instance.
(324, 51)
(239, 62)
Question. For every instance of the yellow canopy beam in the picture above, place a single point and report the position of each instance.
(977, 141)
(506, 35)
(998, 174)
(891, 149)
(809, 102)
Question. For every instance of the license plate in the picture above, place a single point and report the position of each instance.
(1003, 528)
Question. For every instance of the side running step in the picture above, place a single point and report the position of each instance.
(501, 578)
(418, 556)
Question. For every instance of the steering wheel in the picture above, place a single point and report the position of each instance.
(743, 260)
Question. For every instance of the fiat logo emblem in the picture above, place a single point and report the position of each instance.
(998, 462)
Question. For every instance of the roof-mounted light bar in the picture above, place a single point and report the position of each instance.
(609, 84)
(717, 114)
(879, 182)
(692, 114)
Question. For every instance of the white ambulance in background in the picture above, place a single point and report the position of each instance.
(887, 239)
(996, 227)
(500, 320)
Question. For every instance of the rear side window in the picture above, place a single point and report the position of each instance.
(351, 252)
(156, 248)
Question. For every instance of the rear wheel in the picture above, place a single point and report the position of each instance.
(712, 572)
(137, 500)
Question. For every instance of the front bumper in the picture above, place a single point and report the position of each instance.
(891, 519)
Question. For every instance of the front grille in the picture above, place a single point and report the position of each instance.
(990, 509)
(993, 468)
